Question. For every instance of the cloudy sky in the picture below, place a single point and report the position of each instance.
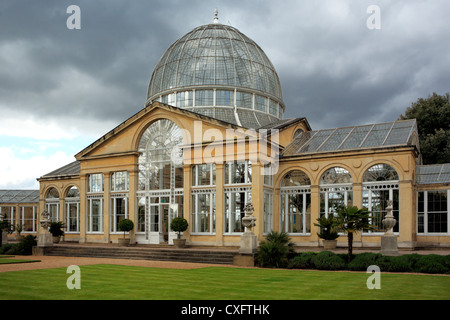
(61, 89)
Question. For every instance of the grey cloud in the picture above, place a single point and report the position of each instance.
(333, 70)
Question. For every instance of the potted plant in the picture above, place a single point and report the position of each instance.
(56, 229)
(328, 231)
(125, 225)
(19, 229)
(179, 225)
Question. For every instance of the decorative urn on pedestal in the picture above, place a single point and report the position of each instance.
(45, 238)
(389, 239)
(248, 239)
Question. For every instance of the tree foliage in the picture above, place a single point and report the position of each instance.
(351, 219)
(433, 123)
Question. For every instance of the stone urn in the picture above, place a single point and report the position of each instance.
(389, 221)
(249, 241)
(389, 239)
(44, 236)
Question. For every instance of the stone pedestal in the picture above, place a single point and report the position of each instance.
(45, 239)
(244, 260)
(249, 243)
(389, 245)
(4, 237)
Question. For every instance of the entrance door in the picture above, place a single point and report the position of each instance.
(158, 220)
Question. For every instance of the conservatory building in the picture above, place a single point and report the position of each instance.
(212, 138)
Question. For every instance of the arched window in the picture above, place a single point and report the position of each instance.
(295, 178)
(380, 185)
(160, 160)
(295, 192)
(72, 208)
(298, 132)
(336, 190)
(52, 203)
(160, 186)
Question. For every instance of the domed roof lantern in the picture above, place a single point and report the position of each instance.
(216, 70)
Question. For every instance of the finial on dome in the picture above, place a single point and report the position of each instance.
(216, 16)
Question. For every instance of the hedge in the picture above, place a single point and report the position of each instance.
(416, 263)
(23, 248)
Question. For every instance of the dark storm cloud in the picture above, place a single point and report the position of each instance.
(333, 70)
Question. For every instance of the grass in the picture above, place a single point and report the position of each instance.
(9, 261)
(114, 282)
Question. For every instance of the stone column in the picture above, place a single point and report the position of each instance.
(83, 209)
(187, 199)
(257, 197)
(107, 207)
(132, 203)
(315, 208)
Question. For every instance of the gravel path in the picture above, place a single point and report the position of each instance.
(58, 262)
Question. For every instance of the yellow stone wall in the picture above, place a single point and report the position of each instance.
(117, 151)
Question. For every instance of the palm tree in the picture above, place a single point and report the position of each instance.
(351, 219)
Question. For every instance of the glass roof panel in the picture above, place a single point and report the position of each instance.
(356, 137)
(315, 141)
(377, 135)
(335, 139)
(374, 135)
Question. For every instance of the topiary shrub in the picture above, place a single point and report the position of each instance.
(327, 260)
(179, 225)
(303, 261)
(362, 261)
(126, 225)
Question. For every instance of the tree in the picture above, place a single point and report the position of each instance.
(351, 219)
(433, 123)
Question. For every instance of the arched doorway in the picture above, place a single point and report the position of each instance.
(160, 188)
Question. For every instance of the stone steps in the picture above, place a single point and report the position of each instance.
(161, 254)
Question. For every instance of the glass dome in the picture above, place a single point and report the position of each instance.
(217, 71)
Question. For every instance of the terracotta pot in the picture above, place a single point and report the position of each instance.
(55, 239)
(179, 243)
(329, 244)
(124, 242)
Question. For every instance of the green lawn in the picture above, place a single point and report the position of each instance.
(8, 261)
(108, 282)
